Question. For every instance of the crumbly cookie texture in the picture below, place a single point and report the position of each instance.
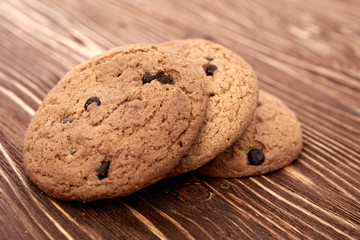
(272, 141)
(233, 93)
(115, 124)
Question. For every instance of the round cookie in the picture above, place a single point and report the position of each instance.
(233, 92)
(115, 124)
(272, 141)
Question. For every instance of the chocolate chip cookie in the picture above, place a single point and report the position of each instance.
(272, 141)
(115, 124)
(233, 92)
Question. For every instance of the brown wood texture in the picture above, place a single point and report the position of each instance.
(305, 52)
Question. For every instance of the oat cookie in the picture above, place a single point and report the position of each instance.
(233, 92)
(115, 124)
(272, 141)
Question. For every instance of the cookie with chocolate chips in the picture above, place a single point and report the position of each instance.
(115, 124)
(272, 141)
(233, 92)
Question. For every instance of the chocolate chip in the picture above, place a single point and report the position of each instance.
(256, 156)
(163, 78)
(119, 75)
(210, 69)
(211, 95)
(147, 78)
(73, 151)
(209, 59)
(259, 104)
(181, 144)
(102, 171)
(67, 121)
(90, 101)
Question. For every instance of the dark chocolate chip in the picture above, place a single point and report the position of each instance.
(90, 101)
(209, 59)
(163, 78)
(210, 69)
(211, 95)
(67, 121)
(102, 171)
(119, 75)
(256, 156)
(181, 144)
(73, 151)
(147, 77)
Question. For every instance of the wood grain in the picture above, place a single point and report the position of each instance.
(307, 54)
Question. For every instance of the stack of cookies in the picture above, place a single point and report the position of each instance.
(136, 114)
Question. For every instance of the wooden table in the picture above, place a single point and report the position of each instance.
(305, 52)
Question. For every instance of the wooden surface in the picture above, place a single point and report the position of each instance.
(305, 52)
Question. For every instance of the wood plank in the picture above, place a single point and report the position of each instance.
(306, 54)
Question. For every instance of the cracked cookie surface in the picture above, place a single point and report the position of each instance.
(115, 124)
(233, 92)
(272, 141)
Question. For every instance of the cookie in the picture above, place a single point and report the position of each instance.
(272, 141)
(115, 124)
(233, 92)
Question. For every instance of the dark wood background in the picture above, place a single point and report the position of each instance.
(305, 52)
